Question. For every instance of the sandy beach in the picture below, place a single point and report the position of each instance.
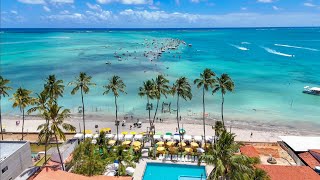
(243, 130)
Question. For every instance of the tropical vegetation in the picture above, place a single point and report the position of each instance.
(4, 88)
(22, 99)
(181, 88)
(82, 82)
(224, 84)
(116, 86)
(205, 81)
(228, 163)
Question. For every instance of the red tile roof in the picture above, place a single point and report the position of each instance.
(48, 174)
(277, 172)
(249, 151)
(309, 159)
(315, 151)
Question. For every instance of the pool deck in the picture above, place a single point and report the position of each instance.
(141, 166)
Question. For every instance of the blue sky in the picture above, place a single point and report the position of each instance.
(158, 13)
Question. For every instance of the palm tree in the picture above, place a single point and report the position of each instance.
(44, 136)
(228, 165)
(82, 82)
(22, 99)
(205, 81)
(224, 84)
(56, 116)
(54, 88)
(161, 88)
(183, 89)
(117, 86)
(124, 157)
(3, 92)
(149, 90)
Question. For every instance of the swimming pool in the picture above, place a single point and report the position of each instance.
(161, 171)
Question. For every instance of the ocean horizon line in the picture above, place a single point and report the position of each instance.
(157, 28)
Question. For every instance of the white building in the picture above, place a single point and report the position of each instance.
(15, 157)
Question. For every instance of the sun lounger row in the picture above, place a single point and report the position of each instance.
(178, 158)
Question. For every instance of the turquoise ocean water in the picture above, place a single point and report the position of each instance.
(270, 67)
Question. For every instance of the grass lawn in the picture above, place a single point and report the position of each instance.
(37, 148)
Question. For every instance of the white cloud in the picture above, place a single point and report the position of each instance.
(195, 1)
(275, 8)
(153, 7)
(136, 2)
(309, 4)
(64, 12)
(45, 8)
(93, 6)
(62, 1)
(32, 1)
(66, 17)
(14, 12)
(265, 1)
(244, 8)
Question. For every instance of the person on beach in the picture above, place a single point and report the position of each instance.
(251, 134)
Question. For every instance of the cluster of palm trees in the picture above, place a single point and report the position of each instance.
(46, 102)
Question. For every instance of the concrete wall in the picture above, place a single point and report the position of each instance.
(291, 153)
(16, 163)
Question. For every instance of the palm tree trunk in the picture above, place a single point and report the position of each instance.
(203, 115)
(57, 143)
(149, 109)
(222, 102)
(178, 121)
(22, 123)
(155, 114)
(1, 120)
(84, 124)
(117, 123)
(46, 144)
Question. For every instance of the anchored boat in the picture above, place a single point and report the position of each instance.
(311, 90)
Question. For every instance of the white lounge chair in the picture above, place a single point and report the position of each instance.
(180, 158)
(174, 157)
(160, 158)
(167, 157)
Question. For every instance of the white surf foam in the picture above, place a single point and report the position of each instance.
(272, 51)
(296, 47)
(245, 43)
(240, 47)
(59, 37)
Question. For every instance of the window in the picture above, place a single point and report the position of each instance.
(4, 169)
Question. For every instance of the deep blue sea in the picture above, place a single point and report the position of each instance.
(270, 67)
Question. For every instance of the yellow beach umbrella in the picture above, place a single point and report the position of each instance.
(136, 148)
(126, 142)
(143, 133)
(194, 145)
(87, 131)
(136, 143)
(133, 133)
(124, 133)
(111, 142)
(183, 144)
(189, 150)
(105, 129)
(170, 143)
(173, 149)
(160, 143)
(206, 145)
(160, 149)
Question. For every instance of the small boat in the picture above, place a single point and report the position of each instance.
(109, 63)
(189, 45)
(312, 90)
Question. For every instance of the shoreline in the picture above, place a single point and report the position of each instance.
(262, 132)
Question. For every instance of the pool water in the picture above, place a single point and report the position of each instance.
(160, 171)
